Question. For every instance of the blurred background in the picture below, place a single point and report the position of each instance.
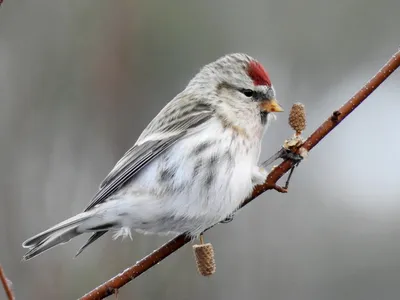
(79, 81)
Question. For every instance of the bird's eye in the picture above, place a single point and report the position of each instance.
(247, 92)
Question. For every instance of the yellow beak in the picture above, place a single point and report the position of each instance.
(271, 106)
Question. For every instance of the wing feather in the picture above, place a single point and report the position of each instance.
(165, 130)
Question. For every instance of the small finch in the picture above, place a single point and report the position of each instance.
(192, 166)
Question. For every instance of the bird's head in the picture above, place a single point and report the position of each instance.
(239, 82)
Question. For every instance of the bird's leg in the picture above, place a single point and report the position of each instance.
(290, 175)
(273, 158)
(296, 159)
(285, 154)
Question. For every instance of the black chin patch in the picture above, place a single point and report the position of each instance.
(263, 117)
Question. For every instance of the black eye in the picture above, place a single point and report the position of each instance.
(247, 92)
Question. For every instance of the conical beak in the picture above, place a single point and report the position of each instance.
(271, 106)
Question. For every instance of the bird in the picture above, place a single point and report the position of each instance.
(190, 168)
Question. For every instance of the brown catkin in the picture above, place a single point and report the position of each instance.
(204, 255)
(297, 118)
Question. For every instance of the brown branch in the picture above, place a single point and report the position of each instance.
(112, 285)
(6, 284)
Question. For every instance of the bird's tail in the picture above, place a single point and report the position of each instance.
(63, 232)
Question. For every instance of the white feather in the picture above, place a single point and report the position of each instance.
(194, 208)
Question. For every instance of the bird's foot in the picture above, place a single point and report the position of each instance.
(293, 152)
(296, 158)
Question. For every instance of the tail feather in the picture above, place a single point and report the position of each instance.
(65, 231)
(60, 237)
(39, 238)
(91, 239)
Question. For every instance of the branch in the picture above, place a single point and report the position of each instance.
(6, 284)
(111, 286)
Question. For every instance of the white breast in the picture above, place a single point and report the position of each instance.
(199, 181)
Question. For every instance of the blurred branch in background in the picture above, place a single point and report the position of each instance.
(111, 286)
(6, 283)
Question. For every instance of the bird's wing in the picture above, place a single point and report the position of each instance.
(168, 127)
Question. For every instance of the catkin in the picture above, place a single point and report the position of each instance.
(205, 260)
(297, 118)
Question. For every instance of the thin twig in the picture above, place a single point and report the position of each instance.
(115, 283)
(6, 285)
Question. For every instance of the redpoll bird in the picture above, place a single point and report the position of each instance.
(191, 167)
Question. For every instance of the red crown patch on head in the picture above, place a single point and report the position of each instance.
(258, 74)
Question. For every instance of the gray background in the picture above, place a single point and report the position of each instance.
(79, 80)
